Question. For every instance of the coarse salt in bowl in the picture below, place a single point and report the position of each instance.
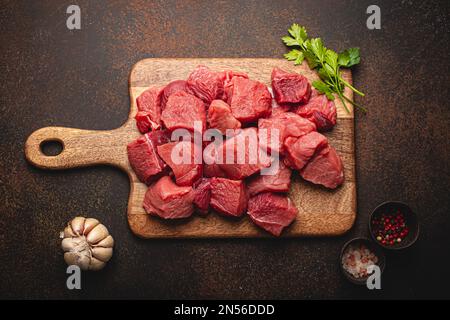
(356, 256)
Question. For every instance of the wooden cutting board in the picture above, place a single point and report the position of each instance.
(322, 212)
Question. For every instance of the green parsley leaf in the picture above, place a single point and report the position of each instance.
(299, 59)
(331, 58)
(323, 74)
(322, 87)
(298, 33)
(289, 41)
(343, 58)
(326, 61)
(313, 62)
(329, 69)
(329, 95)
(295, 55)
(349, 57)
(317, 48)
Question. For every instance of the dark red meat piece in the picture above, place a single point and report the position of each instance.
(290, 87)
(272, 212)
(144, 158)
(287, 124)
(324, 168)
(181, 157)
(182, 111)
(240, 155)
(250, 100)
(228, 197)
(210, 167)
(279, 181)
(173, 87)
(168, 200)
(205, 84)
(202, 195)
(300, 150)
(220, 117)
(149, 102)
(278, 109)
(227, 77)
(321, 111)
(159, 137)
(144, 122)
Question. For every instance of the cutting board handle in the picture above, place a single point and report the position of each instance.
(80, 148)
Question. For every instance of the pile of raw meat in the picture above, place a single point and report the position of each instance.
(230, 100)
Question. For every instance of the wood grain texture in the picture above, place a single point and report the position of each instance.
(322, 212)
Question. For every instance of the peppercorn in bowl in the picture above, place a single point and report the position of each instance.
(394, 225)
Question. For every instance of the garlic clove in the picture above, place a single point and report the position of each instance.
(78, 225)
(83, 261)
(67, 244)
(102, 254)
(73, 258)
(96, 264)
(68, 232)
(70, 258)
(97, 234)
(108, 242)
(90, 224)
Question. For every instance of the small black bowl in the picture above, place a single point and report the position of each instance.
(411, 221)
(372, 247)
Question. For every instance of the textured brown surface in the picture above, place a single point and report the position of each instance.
(321, 212)
(52, 76)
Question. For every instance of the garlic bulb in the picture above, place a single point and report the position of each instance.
(87, 244)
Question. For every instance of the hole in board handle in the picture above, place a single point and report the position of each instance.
(51, 148)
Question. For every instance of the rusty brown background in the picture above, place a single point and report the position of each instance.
(53, 76)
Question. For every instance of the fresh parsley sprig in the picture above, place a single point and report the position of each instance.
(326, 61)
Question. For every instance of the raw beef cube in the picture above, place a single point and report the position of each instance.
(159, 137)
(280, 181)
(239, 156)
(314, 92)
(220, 117)
(213, 170)
(181, 158)
(300, 150)
(290, 87)
(272, 212)
(227, 77)
(278, 109)
(250, 100)
(228, 196)
(205, 84)
(144, 122)
(144, 158)
(287, 124)
(319, 110)
(202, 195)
(173, 87)
(182, 110)
(324, 168)
(210, 167)
(150, 102)
(168, 200)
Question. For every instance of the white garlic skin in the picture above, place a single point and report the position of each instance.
(87, 243)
